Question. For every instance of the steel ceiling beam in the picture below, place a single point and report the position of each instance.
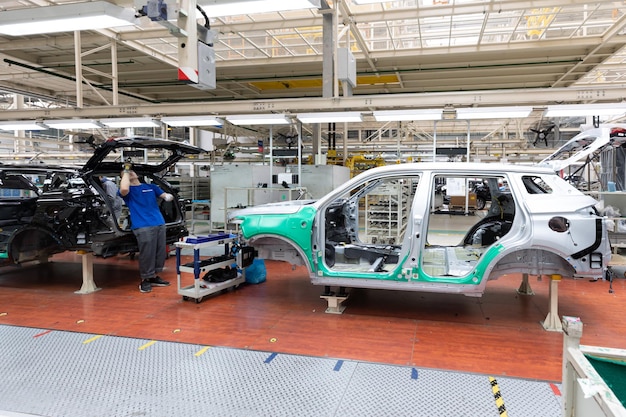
(536, 97)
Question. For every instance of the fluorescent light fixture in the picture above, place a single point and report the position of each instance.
(570, 110)
(259, 119)
(330, 117)
(22, 125)
(230, 8)
(401, 115)
(72, 124)
(184, 121)
(123, 122)
(493, 112)
(64, 18)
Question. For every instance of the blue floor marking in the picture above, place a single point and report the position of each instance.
(270, 357)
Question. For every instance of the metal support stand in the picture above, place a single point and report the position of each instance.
(552, 322)
(335, 301)
(524, 287)
(89, 285)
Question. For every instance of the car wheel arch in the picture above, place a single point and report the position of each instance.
(32, 243)
(533, 261)
(275, 247)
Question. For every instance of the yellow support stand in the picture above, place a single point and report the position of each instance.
(552, 322)
(89, 285)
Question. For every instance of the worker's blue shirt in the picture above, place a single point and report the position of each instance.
(143, 203)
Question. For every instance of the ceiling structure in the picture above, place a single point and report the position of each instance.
(409, 54)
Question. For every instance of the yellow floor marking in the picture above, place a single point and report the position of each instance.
(147, 345)
(201, 351)
(91, 339)
(497, 395)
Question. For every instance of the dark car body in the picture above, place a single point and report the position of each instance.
(21, 185)
(72, 211)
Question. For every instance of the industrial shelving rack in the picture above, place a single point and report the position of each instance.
(386, 211)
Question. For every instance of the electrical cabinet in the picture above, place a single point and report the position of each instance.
(233, 176)
(201, 265)
(319, 180)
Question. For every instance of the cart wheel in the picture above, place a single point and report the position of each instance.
(198, 300)
(185, 298)
(131, 256)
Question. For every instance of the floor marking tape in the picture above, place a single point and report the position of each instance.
(555, 390)
(414, 373)
(338, 365)
(91, 339)
(498, 397)
(270, 357)
(147, 345)
(201, 351)
(42, 333)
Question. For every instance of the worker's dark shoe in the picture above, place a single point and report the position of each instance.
(145, 286)
(158, 282)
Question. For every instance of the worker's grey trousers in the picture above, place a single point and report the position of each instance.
(152, 251)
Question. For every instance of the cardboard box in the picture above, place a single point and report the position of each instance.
(459, 201)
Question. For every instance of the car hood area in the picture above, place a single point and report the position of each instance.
(287, 207)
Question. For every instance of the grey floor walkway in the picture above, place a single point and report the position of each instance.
(64, 374)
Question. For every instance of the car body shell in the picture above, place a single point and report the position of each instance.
(70, 211)
(539, 225)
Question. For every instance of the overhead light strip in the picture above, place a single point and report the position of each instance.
(22, 125)
(258, 119)
(65, 18)
(72, 124)
(124, 122)
(571, 110)
(214, 8)
(189, 121)
(407, 115)
(330, 117)
(511, 112)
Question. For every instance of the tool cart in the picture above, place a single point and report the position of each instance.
(229, 263)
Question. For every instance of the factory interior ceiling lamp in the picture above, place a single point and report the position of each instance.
(72, 124)
(493, 112)
(65, 18)
(570, 110)
(22, 125)
(130, 122)
(259, 119)
(407, 115)
(331, 117)
(184, 121)
(230, 8)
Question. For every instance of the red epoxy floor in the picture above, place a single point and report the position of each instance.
(498, 334)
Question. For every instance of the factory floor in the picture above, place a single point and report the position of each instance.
(498, 335)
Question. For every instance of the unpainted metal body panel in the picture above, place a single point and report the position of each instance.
(536, 223)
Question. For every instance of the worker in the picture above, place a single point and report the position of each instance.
(114, 198)
(147, 224)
